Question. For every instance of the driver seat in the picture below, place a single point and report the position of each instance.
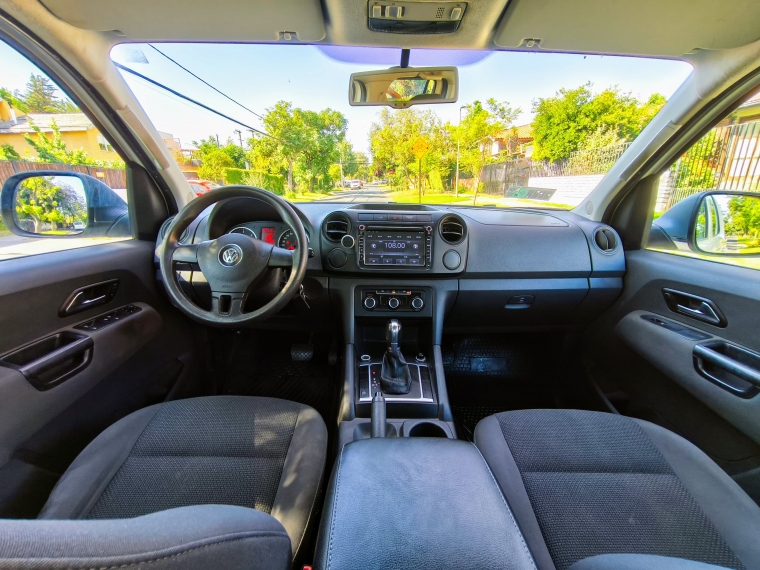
(261, 453)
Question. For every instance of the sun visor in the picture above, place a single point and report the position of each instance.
(668, 28)
(197, 20)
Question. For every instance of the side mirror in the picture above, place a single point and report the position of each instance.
(402, 87)
(55, 203)
(726, 224)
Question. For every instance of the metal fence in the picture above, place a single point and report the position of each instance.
(726, 158)
(515, 173)
(111, 177)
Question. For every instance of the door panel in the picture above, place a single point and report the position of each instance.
(136, 360)
(648, 369)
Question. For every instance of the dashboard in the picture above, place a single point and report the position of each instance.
(483, 268)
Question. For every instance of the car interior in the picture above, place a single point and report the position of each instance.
(235, 379)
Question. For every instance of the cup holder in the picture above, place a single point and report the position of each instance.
(427, 429)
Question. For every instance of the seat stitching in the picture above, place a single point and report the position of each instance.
(335, 505)
(263, 534)
(511, 516)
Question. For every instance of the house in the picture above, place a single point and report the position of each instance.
(514, 142)
(77, 131)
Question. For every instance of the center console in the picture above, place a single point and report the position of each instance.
(373, 238)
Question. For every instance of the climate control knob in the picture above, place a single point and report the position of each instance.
(417, 303)
(393, 303)
(370, 303)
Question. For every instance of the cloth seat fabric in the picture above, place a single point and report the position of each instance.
(583, 484)
(261, 453)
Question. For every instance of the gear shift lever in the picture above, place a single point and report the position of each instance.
(395, 377)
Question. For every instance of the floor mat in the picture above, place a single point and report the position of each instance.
(261, 366)
(496, 373)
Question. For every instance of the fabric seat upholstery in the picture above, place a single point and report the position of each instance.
(261, 453)
(583, 484)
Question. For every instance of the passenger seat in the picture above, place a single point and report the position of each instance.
(585, 484)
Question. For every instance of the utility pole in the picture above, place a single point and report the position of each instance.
(240, 136)
(217, 142)
(419, 179)
(459, 136)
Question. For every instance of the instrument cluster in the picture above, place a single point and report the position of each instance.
(276, 233)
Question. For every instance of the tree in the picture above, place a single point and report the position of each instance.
(214, 165)
(477, 132)
(744, 216)
(41, 200)
(392, 137)
(565, 121)
(39, 97)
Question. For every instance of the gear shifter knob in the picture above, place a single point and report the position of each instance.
(392, 334)
(395, 377)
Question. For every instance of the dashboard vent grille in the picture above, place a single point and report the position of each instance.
(165, 228)
(606, 240)
(335, 227)
(453, 230)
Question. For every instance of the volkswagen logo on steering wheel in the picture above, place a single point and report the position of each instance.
(230, 255)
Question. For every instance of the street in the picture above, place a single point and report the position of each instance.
(370, 193)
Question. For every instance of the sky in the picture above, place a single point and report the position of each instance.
(260, 75)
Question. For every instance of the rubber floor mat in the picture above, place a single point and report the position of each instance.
(262, 366)
(496, 373)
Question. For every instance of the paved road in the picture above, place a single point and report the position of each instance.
(370, 193)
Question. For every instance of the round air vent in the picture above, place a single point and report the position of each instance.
(335, 226)
(606, 240)
(453, 229)
(165, 228)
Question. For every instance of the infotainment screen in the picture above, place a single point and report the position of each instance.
(394, 247)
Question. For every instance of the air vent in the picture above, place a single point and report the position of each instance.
(606, 240)
(453, 229)
(336, 226)
(165, 228)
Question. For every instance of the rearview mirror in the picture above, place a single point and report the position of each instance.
(401, 88)
(54, 203)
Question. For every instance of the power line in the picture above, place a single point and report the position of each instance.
(186, 98)
(175, 62)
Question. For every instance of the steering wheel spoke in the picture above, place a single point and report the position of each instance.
(280, 257)
(227, 305)
(186, 254)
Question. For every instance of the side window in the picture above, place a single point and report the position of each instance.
(67, 183)
(708, 203)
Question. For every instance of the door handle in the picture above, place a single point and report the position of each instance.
(695, 307)
(52, 360)
(731, 367)
(89, 296)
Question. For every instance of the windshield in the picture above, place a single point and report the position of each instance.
(537, 129)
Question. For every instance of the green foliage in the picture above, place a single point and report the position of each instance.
(744, 216)
(275, 183)
(40, 200)
(13, 100)
(39, 97)
(234, 175)
(215, 165)
(696, 168)
(563, 123)
(7, 152)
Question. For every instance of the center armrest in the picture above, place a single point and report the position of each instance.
(417, 503)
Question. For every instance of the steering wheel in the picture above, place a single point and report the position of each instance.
(233, 263)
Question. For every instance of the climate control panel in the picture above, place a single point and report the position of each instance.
(393, 300)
